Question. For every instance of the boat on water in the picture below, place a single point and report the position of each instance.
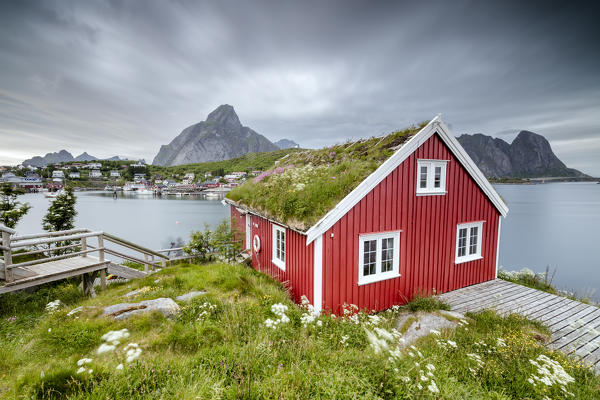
(213, 195)
(53, 195)
(137, 188)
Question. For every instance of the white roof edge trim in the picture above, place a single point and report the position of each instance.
(435, 125)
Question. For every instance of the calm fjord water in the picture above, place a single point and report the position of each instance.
(552, 224)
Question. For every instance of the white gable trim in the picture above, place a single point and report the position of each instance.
(435, 125)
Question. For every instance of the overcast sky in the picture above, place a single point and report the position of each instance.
(124, 77)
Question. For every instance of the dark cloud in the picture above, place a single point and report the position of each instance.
(112, 77)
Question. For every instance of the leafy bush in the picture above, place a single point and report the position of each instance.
(222, 242)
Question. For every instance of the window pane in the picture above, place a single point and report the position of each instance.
(423, 177)
(437, 182)
(462, 242)
(473, 240)
(370, 257)
(387, 254)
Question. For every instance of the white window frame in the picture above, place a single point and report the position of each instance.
(378, 276)
(469, 257)
(277, 261)
(430, 190)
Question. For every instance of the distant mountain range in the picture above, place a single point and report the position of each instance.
(220, 137)
(286, 144)
(528, 156)
(63, 156)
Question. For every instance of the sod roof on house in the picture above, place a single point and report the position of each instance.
(303, 186)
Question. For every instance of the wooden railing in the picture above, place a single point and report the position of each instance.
(75, 240)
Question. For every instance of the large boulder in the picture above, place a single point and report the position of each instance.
(165, 306)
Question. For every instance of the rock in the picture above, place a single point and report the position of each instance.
(135, 292)
(165, 306)
(528, 156)
(190, 295)
(286, 144)
(423, 325)
(220, 137)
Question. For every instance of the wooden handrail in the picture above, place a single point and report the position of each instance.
(130, 258)
(55, 239)
(6, 229)
(133, 246)
(48, 234)
(169, 250)
(27, 253)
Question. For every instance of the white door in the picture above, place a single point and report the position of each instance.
(248, 232)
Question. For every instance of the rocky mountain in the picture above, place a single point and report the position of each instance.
(63, 156)
(220, 137)
(85, 157)
(286, 144)
(528, 156)
(50, 158)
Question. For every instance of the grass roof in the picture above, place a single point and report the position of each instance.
(303, 186)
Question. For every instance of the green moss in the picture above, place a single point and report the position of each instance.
(305, 185)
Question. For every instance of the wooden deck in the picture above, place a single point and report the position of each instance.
(38, 274)
(574, 326)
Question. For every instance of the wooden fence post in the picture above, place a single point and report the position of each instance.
(101, 259)
(8, 275)
(83, 246)
(146, 265)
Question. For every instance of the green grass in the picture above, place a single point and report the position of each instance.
(429, 304)
(305, 185)
(227, 351)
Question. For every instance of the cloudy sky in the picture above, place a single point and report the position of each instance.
(124, 77)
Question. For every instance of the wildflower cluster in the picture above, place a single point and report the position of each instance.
(112, 339)
(206, 309)
(53, 306)
(81, 364)
(551, 374)
(274, 171)
(350, 313)
(310, 314)
(279, 310)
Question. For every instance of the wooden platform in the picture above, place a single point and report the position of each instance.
(38, 274)
(575, 326)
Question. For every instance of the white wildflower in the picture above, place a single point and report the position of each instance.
(53, 306)
(114, 337)
(430, 367)
(433, 387)
(133, 351)
(435, 332)
(119, 367)
(84, 361)
(319, 323)
(81, 370)
(105, 348)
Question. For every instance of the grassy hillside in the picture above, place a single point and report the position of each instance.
(247, 162)
(239, 341)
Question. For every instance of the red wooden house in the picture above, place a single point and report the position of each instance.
(425, 220)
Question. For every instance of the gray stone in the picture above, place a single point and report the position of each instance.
(135, 292)
(190, 295)
(423, 325)
(165, 306)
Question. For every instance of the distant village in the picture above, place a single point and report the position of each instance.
(130, 176)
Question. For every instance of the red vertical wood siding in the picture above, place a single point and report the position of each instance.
(299, 268)
(238, 224)
(427, 240)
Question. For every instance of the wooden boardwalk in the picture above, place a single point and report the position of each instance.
(574, 326)
(38, 274)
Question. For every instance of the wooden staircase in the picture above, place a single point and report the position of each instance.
(65, 254)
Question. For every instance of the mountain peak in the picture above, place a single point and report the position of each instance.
(220, 137)
(224, 115)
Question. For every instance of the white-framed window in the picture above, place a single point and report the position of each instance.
(279, 246)
(378, 257)
(468, 241)
(431, 177)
